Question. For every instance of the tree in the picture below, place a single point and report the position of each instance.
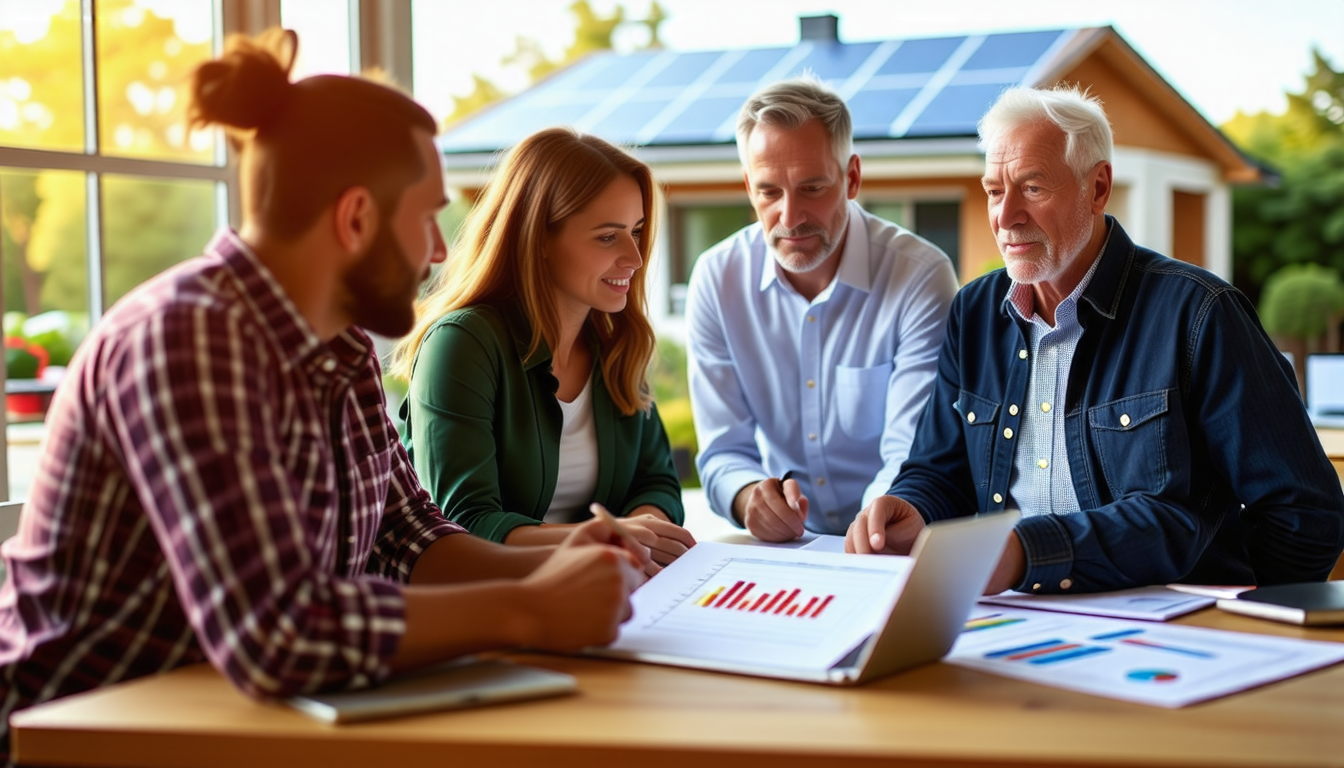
(592, 32)
(148, 224)
(1299, 220)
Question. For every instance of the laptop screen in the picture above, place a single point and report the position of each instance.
(1325, 383)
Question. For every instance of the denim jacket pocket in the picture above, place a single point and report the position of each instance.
(861, 399)
(978, 417)
(1130, 435)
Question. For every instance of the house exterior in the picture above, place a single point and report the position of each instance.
(915, 104)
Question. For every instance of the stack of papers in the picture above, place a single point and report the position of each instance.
(1158, 664)
(1146, 603)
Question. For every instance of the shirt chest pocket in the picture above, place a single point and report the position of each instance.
(861, 399)
(978, 417)
(1131, 440)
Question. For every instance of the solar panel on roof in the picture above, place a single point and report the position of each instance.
(835, 61)
(1013, 49)
(699, 119)
(686, 69)
(623, 124)
(753, 66)
(922, 56)
(953, 109)
(927, 87)
(873, 111)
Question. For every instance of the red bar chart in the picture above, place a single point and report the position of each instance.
(743, 596)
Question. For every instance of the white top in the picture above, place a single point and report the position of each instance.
(576, 480)
(831, 388)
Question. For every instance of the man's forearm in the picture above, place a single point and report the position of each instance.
(461, 558)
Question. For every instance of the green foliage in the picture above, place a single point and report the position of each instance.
(20, 363)
(680, 426)
(1301, 301)
(1300, 220)
(672, 392)
(667, 372)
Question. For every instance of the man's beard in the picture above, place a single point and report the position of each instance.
(382, 288)
(800, 262)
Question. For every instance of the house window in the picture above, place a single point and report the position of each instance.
(101, 183)
(938, 221)
(695, 228)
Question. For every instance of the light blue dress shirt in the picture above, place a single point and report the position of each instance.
(830, 389)
(1042, 481)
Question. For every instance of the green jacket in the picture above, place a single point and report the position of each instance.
(482, 427)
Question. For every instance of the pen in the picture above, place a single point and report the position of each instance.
(601, 512)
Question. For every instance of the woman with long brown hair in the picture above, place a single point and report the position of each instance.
(528, 394)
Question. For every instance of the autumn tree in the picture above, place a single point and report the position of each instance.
(592, 32)
(148, 224)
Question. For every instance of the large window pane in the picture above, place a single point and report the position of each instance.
(694, 230)
(940, 224)
(146, 51)
(42, 236)
(150, 225)
(323, 27)
(40, 84)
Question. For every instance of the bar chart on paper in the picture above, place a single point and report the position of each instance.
(761, 605)
(1158, 664)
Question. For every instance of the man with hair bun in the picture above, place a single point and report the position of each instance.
(1130, 405)
(812, 333)
(220, 481)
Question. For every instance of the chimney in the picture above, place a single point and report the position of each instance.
(819, 29)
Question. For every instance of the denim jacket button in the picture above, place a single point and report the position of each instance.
(1065, 584)
(1124, 419)
(1012, 410)
(1008, 433)
(970, 417)
(998, 498)
(1021, 354)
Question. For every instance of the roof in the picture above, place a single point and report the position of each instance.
(895, 89)
(919, 96)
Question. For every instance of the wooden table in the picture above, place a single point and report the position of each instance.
(1332, 440)
(641, 716)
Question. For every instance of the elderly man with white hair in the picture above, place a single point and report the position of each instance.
(1130, 405)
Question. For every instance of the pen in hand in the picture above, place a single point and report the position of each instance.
(628, 541)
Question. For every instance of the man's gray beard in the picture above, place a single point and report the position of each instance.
(795, 263)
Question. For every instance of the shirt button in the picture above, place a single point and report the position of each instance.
(1065, 584)
(811, 384)
(1042, 463)
(329, 365)
(1012, 410)
(1124, 419)
(350, 539)
(812, 436)
(1045, 407)
(998, 498)
(1021, 354)
(821, 481)
(970, 417)
(1008, 433)
(811, 318)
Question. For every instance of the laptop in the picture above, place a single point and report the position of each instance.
(1325, 389)
(464, 682)
(885, 613)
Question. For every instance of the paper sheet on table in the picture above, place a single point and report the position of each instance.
(824, 542)
(762, 606)
(1162, 665)
(1147, 603)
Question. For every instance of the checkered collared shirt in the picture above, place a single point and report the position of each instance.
(216, 483)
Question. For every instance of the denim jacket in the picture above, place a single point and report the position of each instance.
(1192, 455)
